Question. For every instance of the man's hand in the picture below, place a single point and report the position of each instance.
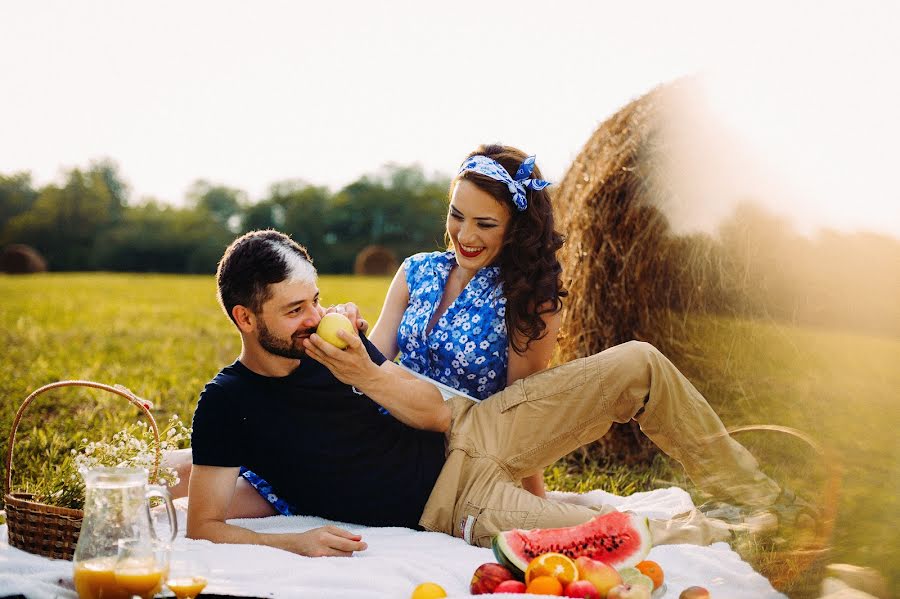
(351, 311)
(211, 492)
(325, 541)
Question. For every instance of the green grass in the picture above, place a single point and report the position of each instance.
(164, 337)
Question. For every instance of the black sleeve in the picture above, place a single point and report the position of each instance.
(376, 355)
(215, 436)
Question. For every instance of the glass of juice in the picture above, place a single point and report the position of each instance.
(141, 567)
(187, 577)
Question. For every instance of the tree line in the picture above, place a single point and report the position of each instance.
(755, 264)
(87, 222)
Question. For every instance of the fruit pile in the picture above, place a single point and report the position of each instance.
(604, 558)
(556, 574)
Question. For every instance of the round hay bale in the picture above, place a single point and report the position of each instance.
(21, 259)
(375, 260)
(621, 262)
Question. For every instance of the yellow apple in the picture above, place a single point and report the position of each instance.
(330, 325)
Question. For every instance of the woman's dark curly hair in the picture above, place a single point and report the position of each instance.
(531, 274)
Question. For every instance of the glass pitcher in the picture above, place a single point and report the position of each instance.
(116, 506)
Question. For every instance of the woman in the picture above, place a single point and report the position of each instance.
(486, 312)
(475, 318)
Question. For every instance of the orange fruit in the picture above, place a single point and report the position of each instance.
(555, 565)
(544, 585)
(651, 569)
(428, 590)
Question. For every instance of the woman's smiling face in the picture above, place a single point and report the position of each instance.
(476, 224)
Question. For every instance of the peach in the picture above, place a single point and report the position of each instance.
(602, 576)
(694, 593)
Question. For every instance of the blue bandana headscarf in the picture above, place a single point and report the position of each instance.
(493, 169)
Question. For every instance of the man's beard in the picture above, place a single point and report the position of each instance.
(286, 348)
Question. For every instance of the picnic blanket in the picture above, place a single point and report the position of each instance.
(396, 561)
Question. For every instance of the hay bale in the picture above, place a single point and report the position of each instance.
(375, 260)
(21, 259)
(621, 262)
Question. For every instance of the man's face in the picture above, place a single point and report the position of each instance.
(288, 317)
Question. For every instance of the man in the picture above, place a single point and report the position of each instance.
(350, 436)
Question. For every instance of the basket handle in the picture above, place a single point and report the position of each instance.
(833, 467)
(117, 390)
(830, 493)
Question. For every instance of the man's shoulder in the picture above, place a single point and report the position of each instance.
(230, 379)
(217, 420)
(230, 374)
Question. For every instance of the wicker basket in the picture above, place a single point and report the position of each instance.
(798, 572)
(46, 529)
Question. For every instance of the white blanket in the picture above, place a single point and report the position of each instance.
(396, 561)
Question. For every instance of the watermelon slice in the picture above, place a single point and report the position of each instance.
(617, 539)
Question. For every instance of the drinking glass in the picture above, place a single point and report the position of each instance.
(187, 577)
(141, 566)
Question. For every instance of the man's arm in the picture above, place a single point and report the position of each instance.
(211, 491)
(410, 400)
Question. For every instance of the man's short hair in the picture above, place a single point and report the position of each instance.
(253, 262)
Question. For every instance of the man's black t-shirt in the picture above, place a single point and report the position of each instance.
(325, 449)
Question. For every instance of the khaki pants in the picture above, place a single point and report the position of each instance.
(519, 431)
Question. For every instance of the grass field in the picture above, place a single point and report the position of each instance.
(164, 337)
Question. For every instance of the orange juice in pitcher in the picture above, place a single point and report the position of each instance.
(119, 554)
(96, 579)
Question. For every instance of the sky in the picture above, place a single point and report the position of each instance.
(246, 94)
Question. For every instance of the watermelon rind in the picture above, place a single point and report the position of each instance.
(507, 557)
(618, 539)
(641, 524)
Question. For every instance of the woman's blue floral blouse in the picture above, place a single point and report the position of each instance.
(468, 348)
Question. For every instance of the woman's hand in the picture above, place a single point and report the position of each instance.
(351, 365)
(412, 401)
(351, 311)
